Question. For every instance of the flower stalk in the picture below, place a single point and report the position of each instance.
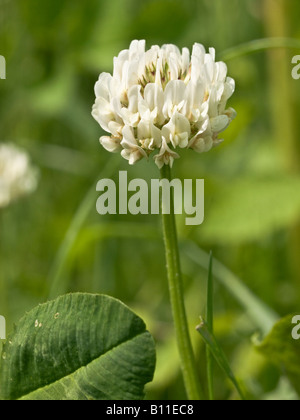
(187, 358)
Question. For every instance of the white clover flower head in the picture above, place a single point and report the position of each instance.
(163, 99)
(17, 177)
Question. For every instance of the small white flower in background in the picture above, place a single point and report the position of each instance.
(17, 177)
(163, 99)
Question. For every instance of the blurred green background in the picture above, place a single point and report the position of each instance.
(54, 242)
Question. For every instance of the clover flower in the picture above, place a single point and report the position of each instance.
(17, 177)
(163, 100)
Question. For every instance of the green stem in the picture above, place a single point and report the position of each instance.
(188, 364)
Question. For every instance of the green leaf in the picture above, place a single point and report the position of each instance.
(282, 349)
(78, 347)
(218, 354)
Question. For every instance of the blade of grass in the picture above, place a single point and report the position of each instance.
(99, 232)
(219, 355)
(57, 285)
(210, 326)
(260, 313)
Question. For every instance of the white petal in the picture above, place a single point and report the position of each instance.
(111, 144)
(103, 113)
(181, 140)
(221, 71)
(212, 52)
(197, 62)
(213, 104)
(132, 156)
(154, 99)
(144, 111)
(119, 63)
(143, 131)
(204, 110)
(130, 118)
(175, 91)
(159, 65)
(115, 128)
(169, 49)
(174, 65)
(208, 141)
(132, 151)
(174, 97)
(134, 95)
(130, 114)
(203, 126)
(229, 88)
(219, 124)
(185, 60)
(231, 113)
(129, 139)
(219, 91)
(152, 55)
(136, 49)
(156, 135)
(177, 131)
(149, 135)
(102, 86)
(182, 124)
(201, 144)
(198, 51)
(166, 156)
(194, 96)
(116, 107)
(168, 131)
(153, 95)
(209, 68)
